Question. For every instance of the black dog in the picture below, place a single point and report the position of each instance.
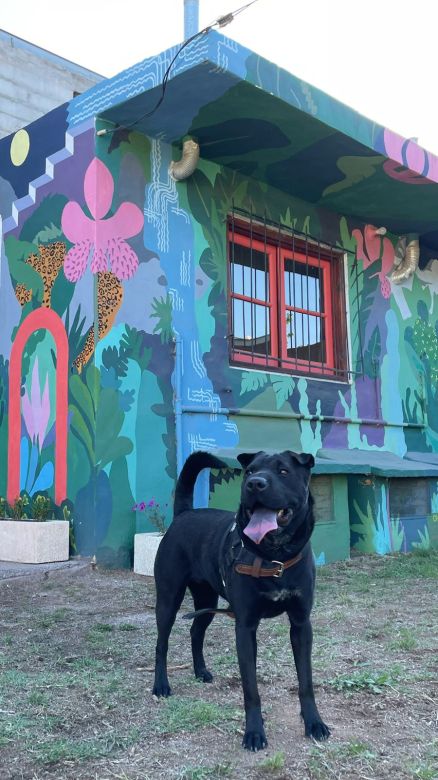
(259, 560)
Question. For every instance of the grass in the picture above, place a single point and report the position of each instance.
(51, 619)
(204, 772)
(75, 682)
(368, 680)
(345, 760)
(405, 640)
(273, 764)
(127, 627)
(52, 751)
(428, 768)
(191, 714)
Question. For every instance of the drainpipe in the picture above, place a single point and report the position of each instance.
(191, 18)
(178, 404)
(202, 486)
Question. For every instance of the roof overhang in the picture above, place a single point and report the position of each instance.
(379, 463)
(262, 121)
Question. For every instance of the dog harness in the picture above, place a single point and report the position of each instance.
(259, 567)
(230, 558)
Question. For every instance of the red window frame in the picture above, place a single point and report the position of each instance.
(325, 316)
(271, 304)
(278, 250)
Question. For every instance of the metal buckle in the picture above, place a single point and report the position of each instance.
(281, 570)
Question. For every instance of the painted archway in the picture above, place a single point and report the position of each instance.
(39, 319)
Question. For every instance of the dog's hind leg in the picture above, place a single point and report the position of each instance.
(203, 597)
(168, 604)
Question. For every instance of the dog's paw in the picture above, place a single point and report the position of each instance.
(162, 690)
(204, 676)
(254, 740)
(317, 730)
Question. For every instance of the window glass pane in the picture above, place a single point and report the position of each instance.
(305, 337)
(250, 272)
(409, 497)
(251, 327)
(303, 285)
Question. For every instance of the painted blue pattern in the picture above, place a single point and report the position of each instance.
(169, 232)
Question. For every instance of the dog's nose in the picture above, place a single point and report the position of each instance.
(256, 483)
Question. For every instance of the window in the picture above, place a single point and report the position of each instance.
(409, 497)
(321, 488)
(287, 302)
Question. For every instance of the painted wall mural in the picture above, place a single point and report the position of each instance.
(114, 349)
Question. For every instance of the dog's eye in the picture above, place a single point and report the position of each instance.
(249, 471)
(284, 472)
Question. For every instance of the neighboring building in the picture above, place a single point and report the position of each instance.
(33, 81)
(253, 305)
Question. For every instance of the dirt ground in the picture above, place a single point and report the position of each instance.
(76, 658)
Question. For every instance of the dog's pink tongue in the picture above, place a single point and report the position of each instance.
(262, 521)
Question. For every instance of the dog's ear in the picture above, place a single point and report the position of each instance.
(245, 458)
(303, 458)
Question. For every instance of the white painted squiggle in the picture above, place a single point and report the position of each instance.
(197, 363)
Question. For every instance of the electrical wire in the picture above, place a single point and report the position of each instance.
(220, 22)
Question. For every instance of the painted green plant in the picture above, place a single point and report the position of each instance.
(96, 419)
(162, 311)
(397, 534)
(133, 346)
(366, 528)
(424, 543)
(426, 344)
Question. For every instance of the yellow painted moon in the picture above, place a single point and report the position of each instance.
(20, 147)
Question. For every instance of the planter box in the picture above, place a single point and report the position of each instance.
(24, 541)
(145, 550)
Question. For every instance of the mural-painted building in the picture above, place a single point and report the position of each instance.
(282, 296)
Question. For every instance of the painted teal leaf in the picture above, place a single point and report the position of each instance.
(252, 380)
(46, 217)
(283, 388)
(22, 273)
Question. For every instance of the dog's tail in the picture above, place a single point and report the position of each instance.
(187, 478)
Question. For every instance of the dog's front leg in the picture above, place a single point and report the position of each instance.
(301, 640)
(246, 643)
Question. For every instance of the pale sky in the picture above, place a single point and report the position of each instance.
(378, 56)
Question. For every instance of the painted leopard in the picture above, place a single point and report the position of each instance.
(48, 263)
(109, 301)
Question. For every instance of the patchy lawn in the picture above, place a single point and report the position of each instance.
(76, 658)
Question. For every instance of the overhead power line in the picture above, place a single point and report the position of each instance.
(220, 22)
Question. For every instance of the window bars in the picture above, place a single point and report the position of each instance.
(287, 302)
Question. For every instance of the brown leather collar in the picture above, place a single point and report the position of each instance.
(258, 570)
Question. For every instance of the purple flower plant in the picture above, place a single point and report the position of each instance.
(156, 516)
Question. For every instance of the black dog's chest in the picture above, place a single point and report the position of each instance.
(278, 597)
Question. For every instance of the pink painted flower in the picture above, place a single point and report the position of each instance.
(102, 240)
(372, 246)
(36, 408)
